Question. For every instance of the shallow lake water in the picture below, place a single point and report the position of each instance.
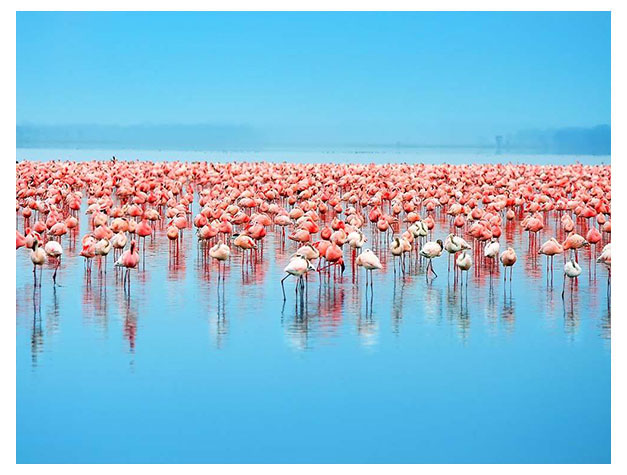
(186, 369)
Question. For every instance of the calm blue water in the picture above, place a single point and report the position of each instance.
(185, 370)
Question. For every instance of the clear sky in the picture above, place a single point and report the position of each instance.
(356, 77)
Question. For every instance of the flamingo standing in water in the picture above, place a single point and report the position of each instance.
(102, 249)
(88, 251)
(398, 248)
(369, 261)
(54, 250)
(454, 244)
(550, 249)
(245, 243)
(309, 252)
(118, 241)
(574, 241)
(491, 252)
(571, 270)
(464, 263)
(431, 250)
(129, 260)
(143, 230)
(335, 257)
(329, 202)
(508, 259)
(220, 252)
(298, 267)
(356, 239)
(37, 257)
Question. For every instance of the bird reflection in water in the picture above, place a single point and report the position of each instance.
(433, 302)
(313, 317)
(606, 324)
(571, 317)
(130, 322)
(508, 312)
(95, 303)
(220, 323)
(297, 325)
(253, 270)
(457, 307)
(176, 264)
(398, 292)
(329, 311)
(53, 314)
(492, 310)
(37, 334)
(367, 327)
(463, 320)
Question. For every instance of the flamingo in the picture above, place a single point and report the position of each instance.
(297, 267)
(53, 249)
(369, 261)
(491, 252)
(88, 251)
(508, 259)
(431, 250)
(37, 257)
(398, 248)
(464, 263)
(102, 249)
(220, 252)
(571, 270)
(335, 202)
(129, 260)
(550, 249)
(244, 242)
(118, 241)
(335, 257)
(454, 244)
(20, 240)
(574, 241)
(309, 252)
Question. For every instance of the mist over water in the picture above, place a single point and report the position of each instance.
(456, 156)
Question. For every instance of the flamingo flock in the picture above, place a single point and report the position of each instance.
(328, 215)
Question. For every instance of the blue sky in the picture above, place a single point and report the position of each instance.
(354, 77)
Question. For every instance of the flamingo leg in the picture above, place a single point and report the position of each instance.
(54, 276)
(283, 287)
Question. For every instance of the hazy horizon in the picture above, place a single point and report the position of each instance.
(593, 140)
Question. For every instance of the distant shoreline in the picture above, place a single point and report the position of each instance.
(454, 156)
